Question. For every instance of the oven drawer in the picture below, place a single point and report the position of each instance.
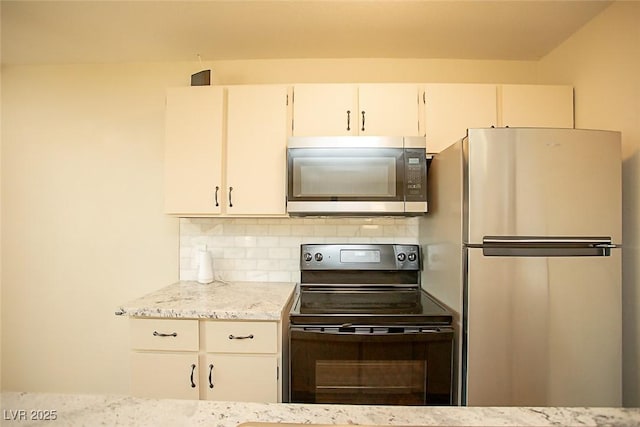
(164, 334)
(241, 337)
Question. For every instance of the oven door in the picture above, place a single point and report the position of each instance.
(381, 366)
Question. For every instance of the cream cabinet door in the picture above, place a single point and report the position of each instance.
(193, 150)
(451, 109)
(325, 110)
(256, 150)
(240, 377)
(388, 110)
(165, 375)
(537, 106)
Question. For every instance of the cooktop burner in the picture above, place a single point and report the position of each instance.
(377, 284)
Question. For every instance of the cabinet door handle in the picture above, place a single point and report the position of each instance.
(230, 202)
(211, 375)
(348, 119)
(233, 337)
(362, 120)
(160, 334)
(193, 369)
(216, 196)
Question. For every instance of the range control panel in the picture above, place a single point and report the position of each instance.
(359, 257)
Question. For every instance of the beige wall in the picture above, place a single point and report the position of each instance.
(602, 62)
(82, 227)
(0, 217)
(82, 223)
(371, 70)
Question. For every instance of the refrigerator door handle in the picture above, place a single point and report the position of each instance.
(607, 245)
(534, 246)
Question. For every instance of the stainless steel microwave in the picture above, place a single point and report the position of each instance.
(356, 175)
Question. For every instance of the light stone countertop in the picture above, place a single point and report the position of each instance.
(112, 410)
(217, 300)
(264, 301)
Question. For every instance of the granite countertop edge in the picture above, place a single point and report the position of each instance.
(89, 409)
(218, 300)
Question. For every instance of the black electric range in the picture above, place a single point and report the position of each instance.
(362, 331)
(356, 284)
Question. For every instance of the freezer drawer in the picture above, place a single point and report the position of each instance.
(542, 331)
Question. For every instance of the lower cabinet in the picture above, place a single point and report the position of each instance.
(165, 375)
(242, 360)
(202, 359)
(243, 378)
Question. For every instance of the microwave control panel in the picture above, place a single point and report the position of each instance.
(415, 174)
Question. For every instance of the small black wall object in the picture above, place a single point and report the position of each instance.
(202, 78)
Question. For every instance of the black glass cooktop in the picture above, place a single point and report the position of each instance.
(362, 285)
(367, 306)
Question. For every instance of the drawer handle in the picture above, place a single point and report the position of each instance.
(193, 368)
(233, 337)
(160, 334)
(211, 375)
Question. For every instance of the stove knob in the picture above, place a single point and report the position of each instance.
(307, 256)
(412, 256)
(318, 256)
(402, 256)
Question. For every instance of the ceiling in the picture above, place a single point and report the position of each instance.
(55, 32)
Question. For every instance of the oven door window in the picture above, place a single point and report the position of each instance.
(317, 174)
(387, 369)
(370, 381)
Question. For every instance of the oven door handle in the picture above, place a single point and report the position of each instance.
(349, 329)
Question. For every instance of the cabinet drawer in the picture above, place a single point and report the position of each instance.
(164, 334)
(241, 337)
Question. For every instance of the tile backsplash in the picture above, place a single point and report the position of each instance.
(267, 250)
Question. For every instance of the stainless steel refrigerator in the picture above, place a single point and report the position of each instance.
(523, 243)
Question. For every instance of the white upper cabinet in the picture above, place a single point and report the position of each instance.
(325, 109)
(225, 150)
(349, 109)
(225, 147)
(537, 106)
(256, 150)
(389, 110)
(451, 109)
(193, 149)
